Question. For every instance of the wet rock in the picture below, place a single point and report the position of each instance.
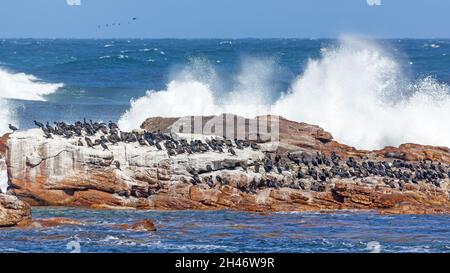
(49, 222)
(141, 225)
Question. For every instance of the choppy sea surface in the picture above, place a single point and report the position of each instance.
(231, 231)
(399, 88)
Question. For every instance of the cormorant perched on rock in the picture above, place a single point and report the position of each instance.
(268, 166)
(170, 152)
(49, 127)
(257, 167)
(104, 146)
(47, 134)
(231, 150)
(277, 159)
(89, 142)
(38, 124)
(280, 171)
(254, 146)
(12, 128)
(210, 182)
(158, 146)
(117, 164)
(219, 179)
(195, 180)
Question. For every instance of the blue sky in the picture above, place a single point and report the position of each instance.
(224, 18)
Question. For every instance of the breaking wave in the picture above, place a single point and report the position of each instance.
(20, 86)
(356, 90)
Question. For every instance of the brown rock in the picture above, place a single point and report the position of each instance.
(3, 140)
(49, 222)
(61, 173)
(146, 225)
(416, 152)
(141, 225)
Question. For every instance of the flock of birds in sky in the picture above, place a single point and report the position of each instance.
(117, 24)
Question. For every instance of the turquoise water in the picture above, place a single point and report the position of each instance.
(230, 231)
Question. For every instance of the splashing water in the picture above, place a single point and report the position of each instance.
(356, 90)
(20, 86)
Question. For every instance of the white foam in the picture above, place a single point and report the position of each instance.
(24, 86)
(356, 90)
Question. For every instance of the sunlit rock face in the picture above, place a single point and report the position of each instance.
(60, 172)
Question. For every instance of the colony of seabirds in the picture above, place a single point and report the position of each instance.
(319, 168)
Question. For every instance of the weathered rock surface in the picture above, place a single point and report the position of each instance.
(13, 211)
(416, 152)
(59, 172)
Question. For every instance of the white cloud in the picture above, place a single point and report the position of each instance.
(373, 2)
(73, 2)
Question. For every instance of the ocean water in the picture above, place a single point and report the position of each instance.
(368, 93)
(230, 231)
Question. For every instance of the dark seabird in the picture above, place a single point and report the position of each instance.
(231, 150)
(158, 146)
(219, 179)
(257, 167)
(254, 146)
(38, 124)
(47, 134)
(280, 171)
(89, 142)
(170, 152)
(117, 164)
(12, 127)
(210, 182)
(104, 146)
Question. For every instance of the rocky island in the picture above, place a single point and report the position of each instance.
(209, 163)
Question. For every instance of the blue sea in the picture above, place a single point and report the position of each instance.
(230, 231)
(367, 93)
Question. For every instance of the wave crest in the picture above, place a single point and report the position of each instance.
(356, 90)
